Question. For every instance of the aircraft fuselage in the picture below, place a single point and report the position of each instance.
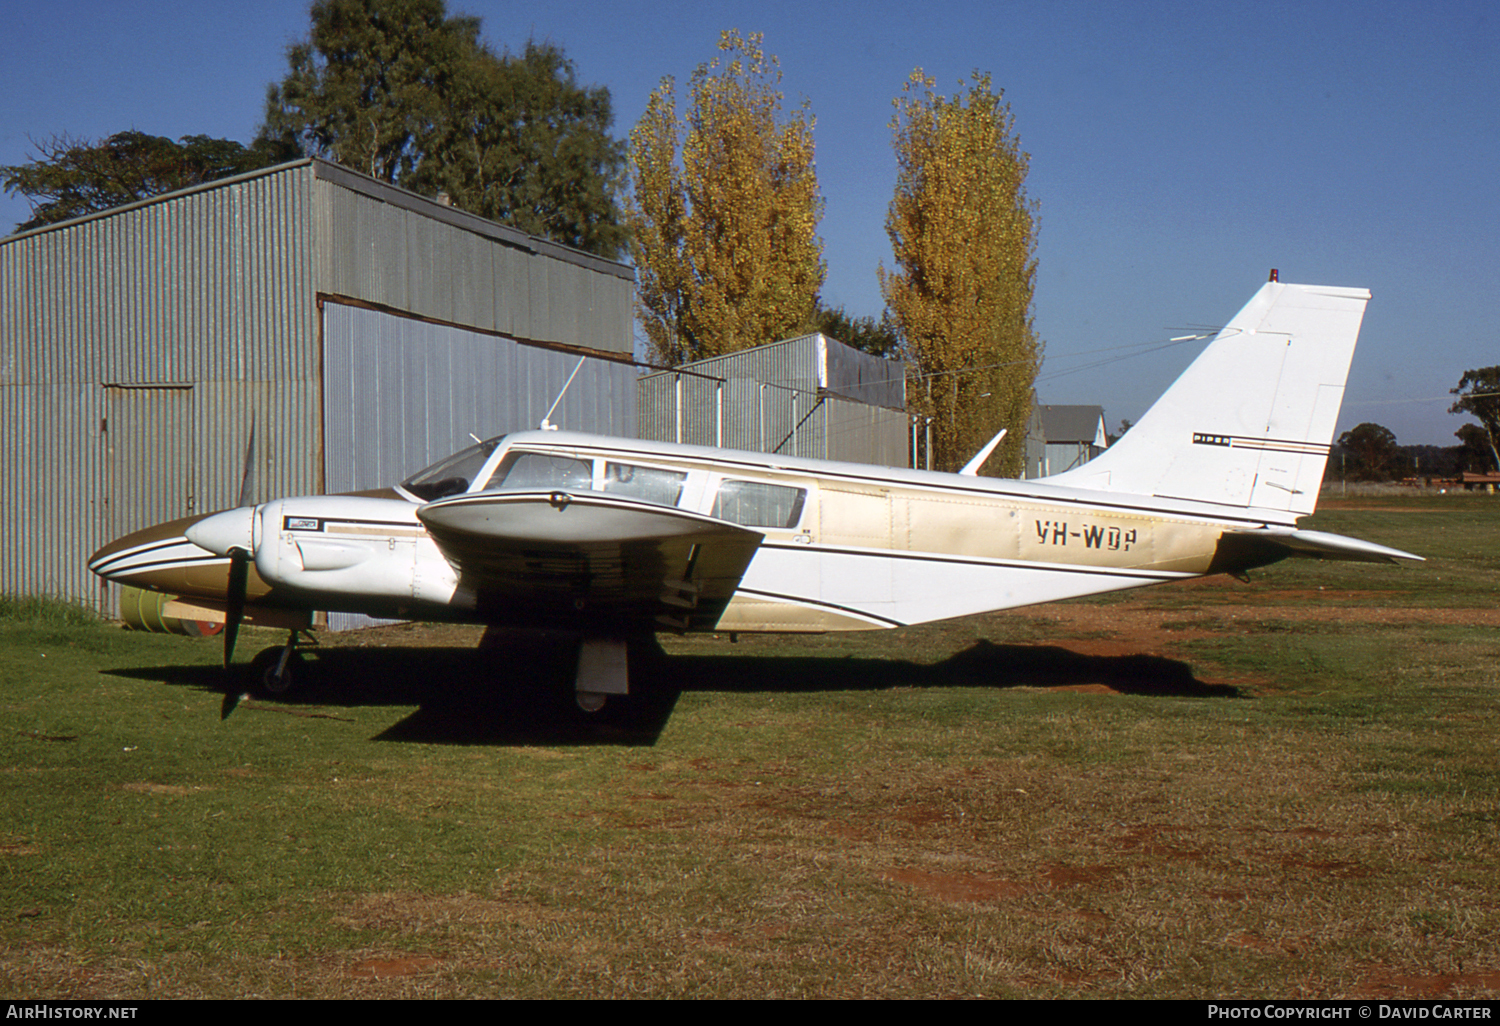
(842, 546)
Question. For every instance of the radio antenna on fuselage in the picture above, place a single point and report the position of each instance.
(547, 424)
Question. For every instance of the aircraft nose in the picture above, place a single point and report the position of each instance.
(232, 529)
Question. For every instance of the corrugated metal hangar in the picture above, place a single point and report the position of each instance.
(807, 396)
(364, 331)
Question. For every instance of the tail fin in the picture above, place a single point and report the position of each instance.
(1251, 421)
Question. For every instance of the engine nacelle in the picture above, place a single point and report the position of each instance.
(351, 545)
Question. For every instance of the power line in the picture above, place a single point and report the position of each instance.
(1426, 399)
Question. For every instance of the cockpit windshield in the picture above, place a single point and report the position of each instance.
(452, 475)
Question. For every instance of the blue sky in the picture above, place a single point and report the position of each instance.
(1178, 150)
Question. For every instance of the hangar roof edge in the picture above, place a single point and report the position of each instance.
(382, 191)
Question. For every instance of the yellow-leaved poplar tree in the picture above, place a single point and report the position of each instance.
(725, 242)
(964, 238)
(657, 217)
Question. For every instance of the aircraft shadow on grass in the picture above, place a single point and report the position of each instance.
(517, 692)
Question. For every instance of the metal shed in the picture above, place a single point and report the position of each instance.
(806, 396)
(365, 331)
(1070, 436)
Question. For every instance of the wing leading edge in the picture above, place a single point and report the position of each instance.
(558, 556)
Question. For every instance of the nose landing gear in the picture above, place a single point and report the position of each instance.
(279, 672)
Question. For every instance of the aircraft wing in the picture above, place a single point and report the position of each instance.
(1322, 545)
(595, 558)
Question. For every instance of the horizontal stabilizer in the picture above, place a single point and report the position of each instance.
(1322, 545)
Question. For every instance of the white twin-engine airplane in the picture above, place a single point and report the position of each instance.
(613, 539)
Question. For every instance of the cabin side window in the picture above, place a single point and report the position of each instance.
(757, 504)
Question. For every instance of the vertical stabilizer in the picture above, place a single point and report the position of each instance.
(1251, 421)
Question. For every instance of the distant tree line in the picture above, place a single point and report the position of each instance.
(1370, 452)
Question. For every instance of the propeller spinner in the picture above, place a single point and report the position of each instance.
(232, 534)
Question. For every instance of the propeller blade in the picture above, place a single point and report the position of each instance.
(239, 577)
(247, 478)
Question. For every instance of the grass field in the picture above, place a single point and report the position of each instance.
(1282, 788)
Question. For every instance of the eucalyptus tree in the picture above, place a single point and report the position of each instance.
(1479, 396)
(406, 93)
(70, 177)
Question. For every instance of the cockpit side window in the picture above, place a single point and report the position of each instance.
(758, 504)
(649, 484)
(522, 471)
(452, 475)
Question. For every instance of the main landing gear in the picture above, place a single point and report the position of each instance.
(603, 670)
(609, 666)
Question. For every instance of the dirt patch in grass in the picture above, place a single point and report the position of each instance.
(1144, 629)
(959, 887)
(1383, 982)
(985, 888)
(396, 965)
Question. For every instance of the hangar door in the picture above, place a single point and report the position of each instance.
(147, 430)
(400, 394)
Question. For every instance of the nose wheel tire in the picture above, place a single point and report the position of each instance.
(271, 677)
